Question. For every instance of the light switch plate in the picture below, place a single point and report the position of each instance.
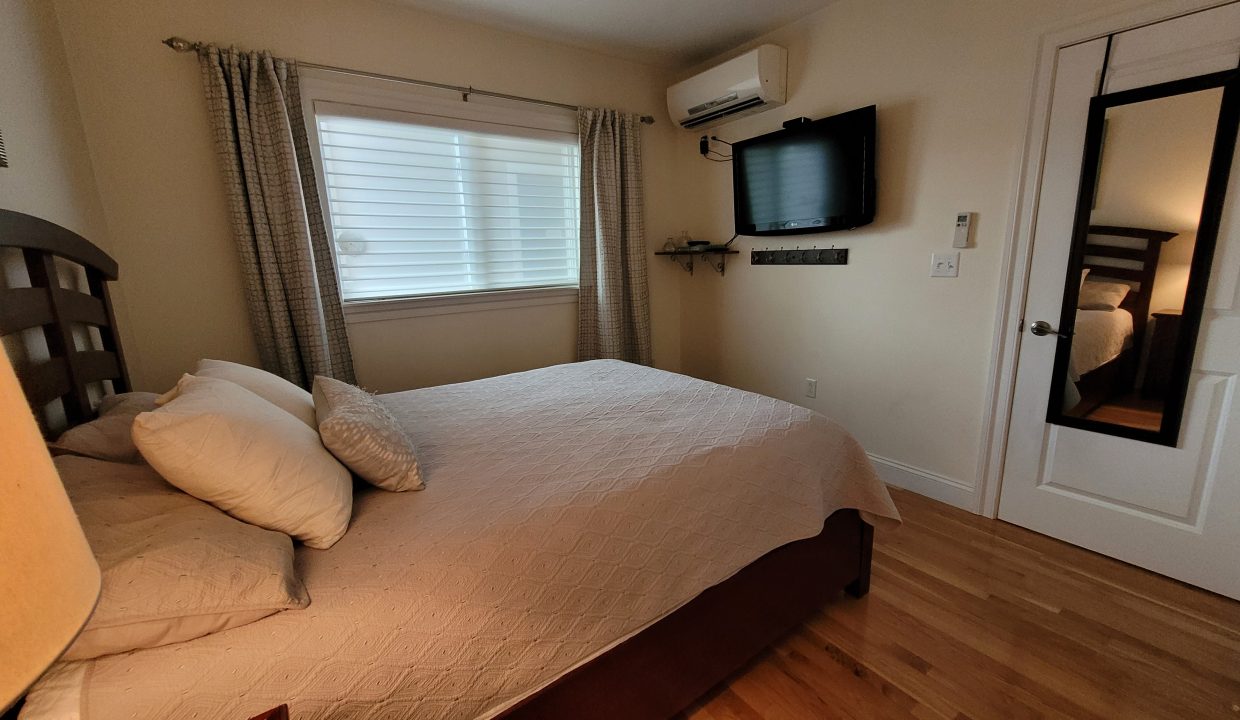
(945, 264)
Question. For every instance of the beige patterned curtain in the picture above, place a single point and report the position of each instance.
(613, 300)
(286, 258)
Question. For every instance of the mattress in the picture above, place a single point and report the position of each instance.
(566, 509)
(1100, 336)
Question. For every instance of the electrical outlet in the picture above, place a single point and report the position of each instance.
(945, 264)
(811, 387)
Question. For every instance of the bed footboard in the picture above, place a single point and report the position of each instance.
(666, 667)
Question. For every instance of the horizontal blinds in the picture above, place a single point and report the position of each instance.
(427, 210)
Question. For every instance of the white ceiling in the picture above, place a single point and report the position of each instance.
(668, 33)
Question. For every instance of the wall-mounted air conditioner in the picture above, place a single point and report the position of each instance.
(744, 85)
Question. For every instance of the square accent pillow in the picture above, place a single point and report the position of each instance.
(174, 568)
(1096, 295)
(223, 444)
(109, 436)
(268, 386)
(363, 435)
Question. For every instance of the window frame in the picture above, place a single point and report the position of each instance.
(386, 99)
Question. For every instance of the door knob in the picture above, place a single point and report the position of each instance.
(1041, 327)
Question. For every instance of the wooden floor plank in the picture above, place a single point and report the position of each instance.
(972, 618)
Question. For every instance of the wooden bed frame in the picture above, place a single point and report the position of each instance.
(1119, 375)
(653, 674)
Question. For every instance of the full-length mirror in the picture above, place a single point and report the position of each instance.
(1155, 172)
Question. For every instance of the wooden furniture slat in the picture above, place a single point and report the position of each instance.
(79, 307)
(58, 310)
(97, 365)
(107, 332)
(29, 232)
(22, 308)
(1115, 252)
(1161, 236)
(41, 267)
(1109, 271)
(45, 381)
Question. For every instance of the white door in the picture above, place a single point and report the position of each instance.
(1172, 509)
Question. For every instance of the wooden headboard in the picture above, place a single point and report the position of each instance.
(1128, 255)
(77, 361)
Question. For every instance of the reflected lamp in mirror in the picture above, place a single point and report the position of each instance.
(49, 576)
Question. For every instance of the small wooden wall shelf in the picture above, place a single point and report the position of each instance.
(716, 257)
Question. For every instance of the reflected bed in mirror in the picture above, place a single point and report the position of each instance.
(1147, 219)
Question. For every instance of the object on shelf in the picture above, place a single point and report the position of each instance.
(713, 255)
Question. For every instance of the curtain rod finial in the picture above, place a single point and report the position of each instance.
(180, 44)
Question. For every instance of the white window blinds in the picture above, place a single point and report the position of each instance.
(419, 207)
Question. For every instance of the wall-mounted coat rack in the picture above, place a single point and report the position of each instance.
(812, 256)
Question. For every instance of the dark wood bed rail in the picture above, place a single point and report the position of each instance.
(68, 371)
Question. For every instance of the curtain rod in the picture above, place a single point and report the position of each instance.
(182, 45)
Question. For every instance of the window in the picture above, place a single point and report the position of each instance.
(421, 204)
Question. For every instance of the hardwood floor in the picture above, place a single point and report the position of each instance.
(975, 618)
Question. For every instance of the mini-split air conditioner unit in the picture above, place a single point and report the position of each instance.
(744, 85)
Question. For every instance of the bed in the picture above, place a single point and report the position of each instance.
(1106, 344)
(596, 540)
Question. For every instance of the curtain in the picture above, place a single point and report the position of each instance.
(613, 299)
(286, 257)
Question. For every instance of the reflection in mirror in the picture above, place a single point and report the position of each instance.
(1136, 236)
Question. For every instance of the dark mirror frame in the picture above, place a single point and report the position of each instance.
(1203, 252)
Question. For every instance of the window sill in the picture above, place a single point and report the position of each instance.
(362, 311)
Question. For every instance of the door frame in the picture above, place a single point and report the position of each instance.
(1017, 250)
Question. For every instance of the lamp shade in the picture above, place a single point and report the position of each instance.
(49, 580)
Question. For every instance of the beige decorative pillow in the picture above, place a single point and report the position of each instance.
(222, 443)
(174, 568)
(1096, 295)
(268, 386)
(362, 434)
(109, 436)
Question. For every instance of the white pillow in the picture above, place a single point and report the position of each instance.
(223, 444)
(1097, 295)
(268, 386)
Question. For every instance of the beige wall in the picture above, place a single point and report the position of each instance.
(901, 359)
(160, 184)
(49, 173)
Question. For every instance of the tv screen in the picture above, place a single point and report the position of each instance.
(807, 178)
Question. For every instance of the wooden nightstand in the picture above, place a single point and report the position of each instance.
(1162, 353)
(277, 713)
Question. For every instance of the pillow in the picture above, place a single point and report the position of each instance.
(363, 435)
(109, 436)
(174, 568)
(130, 403)
(1097, 295)
(222, 443)
(268, 386)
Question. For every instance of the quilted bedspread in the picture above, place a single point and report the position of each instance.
(566, 509)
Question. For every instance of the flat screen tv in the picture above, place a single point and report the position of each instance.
(810, 177)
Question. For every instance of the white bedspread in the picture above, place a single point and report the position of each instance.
(566, 509)
(1099, 338)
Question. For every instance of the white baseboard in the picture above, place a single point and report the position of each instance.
(938, 487)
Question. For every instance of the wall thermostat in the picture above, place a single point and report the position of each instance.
(964, 225)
